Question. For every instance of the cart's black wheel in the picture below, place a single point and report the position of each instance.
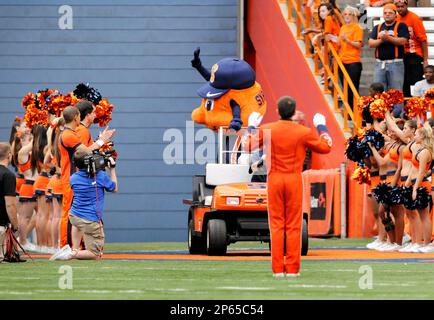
(196, 245)
(216, 243)
(304, 239)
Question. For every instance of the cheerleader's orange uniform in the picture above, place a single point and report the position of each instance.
(407, 154)
(19, 182)
(394, 157)
(41, 181)
(26, 193)
(425, 183)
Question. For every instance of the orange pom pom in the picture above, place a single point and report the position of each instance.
(362, 175)
(34, 115)
(378, 108)
(416, 106)
(364, 101)
(392, 97)
(58, 103)
(28, 99)
(429, 94)
(103, 113)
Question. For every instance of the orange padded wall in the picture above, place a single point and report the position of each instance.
(282, 70)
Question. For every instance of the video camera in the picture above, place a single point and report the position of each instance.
(97, 161)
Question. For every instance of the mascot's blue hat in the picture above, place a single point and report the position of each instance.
(228, 73)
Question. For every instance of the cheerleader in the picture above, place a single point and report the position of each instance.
(39, 188)
(404, 166)
(54, 187)
(373, 166)
(421, 164)
(402, 133)
(388, 163)
(26, 195)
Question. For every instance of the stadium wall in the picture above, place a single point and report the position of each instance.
(137, 53)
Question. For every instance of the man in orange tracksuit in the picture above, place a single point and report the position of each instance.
(69, 142)
(285, 142)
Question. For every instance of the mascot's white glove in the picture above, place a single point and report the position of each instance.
(319, 119)
(255, 119)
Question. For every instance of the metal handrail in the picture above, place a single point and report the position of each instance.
(338, 90)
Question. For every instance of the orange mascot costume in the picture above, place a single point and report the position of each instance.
(285, 145)
(230, 96)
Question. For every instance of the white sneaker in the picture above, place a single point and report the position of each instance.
(62, 254)
(406, 238)
(278, 275)
(406, 247)
(382, 245)
(374, 244)
(30, 247)
(429, 248)
(292, 275)
(415, 248)
(390, 247)
(52, 250)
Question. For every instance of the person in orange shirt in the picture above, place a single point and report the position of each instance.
(416, 48)
(69, 142)
(328, 28)
(332, 26)
(87, 116)
(285, 143)
(350, 45)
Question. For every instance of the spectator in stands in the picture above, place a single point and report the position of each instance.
(377, 3)
(350, 44)
(8, 209)
(330, 26)
(389, 39)
(416, 49)
(419, 3)
(424, 85)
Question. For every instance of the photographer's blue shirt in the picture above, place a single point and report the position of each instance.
(84, 203)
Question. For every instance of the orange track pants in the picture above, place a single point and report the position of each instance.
(65, 229)
(285, 195)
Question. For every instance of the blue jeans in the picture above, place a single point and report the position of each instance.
(392, 77)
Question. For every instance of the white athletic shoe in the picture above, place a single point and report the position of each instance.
(382, 245)
(62, 254)
(292, 275)
(30, 247)
(374, 244)
(407, 247)
(279, 275)
(390, 247)
(415, 248)
(429, 248)
(406, 238)
(53, 250)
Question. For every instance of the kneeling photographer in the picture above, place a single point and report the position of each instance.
(89, 184)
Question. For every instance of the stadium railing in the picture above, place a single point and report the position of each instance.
(339, 90)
